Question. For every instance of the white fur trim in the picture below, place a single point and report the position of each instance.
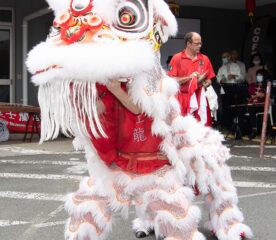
(169, 86)
(78, 144)
(198, 236)
(59, 6)
(87, 230)
(90, 62)
(185, 225)
(97, 168)
(105, 9)
(161, 9)
(139, 225)
(230, 214)
(236, 230)
(174, 104)
(160, 128)
(182, 196)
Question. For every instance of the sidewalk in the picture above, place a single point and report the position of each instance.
(15, 147)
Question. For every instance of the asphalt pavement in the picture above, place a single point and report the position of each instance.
(34, 179)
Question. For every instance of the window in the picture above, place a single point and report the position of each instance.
(5, 16)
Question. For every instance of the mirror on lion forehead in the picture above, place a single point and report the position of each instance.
(78, 6)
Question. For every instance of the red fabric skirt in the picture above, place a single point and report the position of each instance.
(130, 143)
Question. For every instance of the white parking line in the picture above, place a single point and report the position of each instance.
(80, 169)
(74, 159)
(43, 162)
(40, 176)
(33, 196)
(254, 184)
(50, 224)
(245, 196)
(270, 156)
(257, 194)
(7, 223)
(253, 169)
(253, 146)
(25, 151)
(240, 156)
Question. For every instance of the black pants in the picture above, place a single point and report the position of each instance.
(246, 118)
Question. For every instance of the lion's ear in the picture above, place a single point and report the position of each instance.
(163, 12)
(59, 6)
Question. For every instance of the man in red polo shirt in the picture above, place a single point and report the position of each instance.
(194, 72)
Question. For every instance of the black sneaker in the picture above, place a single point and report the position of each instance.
(140, 234)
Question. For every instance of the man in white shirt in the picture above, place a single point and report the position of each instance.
(234, 58)
(229, 72)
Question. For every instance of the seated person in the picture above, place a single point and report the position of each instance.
(256, 89)
(229, 72)
(257, 93)
(257, 63)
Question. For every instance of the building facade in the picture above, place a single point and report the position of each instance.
(24, 23)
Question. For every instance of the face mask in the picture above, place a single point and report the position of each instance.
(224, 61)
(256, 62)
(259, 78)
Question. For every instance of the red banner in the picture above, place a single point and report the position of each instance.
(17, 121)
(250, 7)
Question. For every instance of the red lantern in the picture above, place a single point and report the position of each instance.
(250, 7)
(174, 8)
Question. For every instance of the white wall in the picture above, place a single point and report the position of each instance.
(175, 45)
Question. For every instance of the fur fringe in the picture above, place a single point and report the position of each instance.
(66, 105)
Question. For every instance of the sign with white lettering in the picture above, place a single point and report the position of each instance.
(255, 40)
(20, 122)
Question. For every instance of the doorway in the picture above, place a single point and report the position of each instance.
(6, 56)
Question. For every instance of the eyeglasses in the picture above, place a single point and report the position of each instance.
(197, 43)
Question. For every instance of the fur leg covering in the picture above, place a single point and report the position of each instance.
(91, 208)
(165, 205)
(90, 215)
(205, 158)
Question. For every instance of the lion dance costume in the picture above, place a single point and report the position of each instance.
(151, 159)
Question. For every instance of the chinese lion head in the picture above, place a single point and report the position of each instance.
(92, 42)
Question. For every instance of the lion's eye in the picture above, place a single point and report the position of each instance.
(81, 6)
(127, 17)
(132, 16)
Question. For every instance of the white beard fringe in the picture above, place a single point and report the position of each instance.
(66, 105)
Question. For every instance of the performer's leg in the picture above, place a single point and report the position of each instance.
(170, 212)
(205, 157)
(225, 216)
(214, 181)
(221, 199)
(90, 215)
(142, 225)
(91, 208)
